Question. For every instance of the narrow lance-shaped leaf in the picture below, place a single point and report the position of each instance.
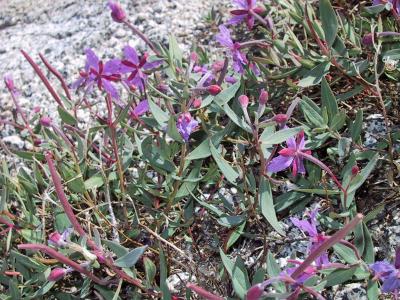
(329, 21)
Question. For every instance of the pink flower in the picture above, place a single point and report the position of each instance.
(290, 156)
(186, 124)
(117, 13)
(225, 39)
(60, 240)
(245, 13)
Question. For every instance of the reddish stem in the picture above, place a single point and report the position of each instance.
(43, 78)
(57, 74)
(202, 292)
(63, 259)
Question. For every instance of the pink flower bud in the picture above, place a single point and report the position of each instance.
(36, 109)
(259, 9)
(162, 87)
(355, 170)
(263, 97)
(9, 82)
(217, 66)
(37, 142)
(367, 39)
(255, 292)
(197, 103)
(45, 121)
(194, 57)
(57, 274)
(214, 89)
(117, 13)
(280, 118)
(244, 101)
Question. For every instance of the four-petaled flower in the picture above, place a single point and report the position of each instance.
(186, 124)
(290, 156)
(96, 72)
(246, 11)
(136, 66)
(239, 59)
(316, 238)
(388, 273)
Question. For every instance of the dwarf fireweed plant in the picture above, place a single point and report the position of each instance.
(188, 161)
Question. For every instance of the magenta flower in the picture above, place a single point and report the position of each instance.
(239, 59)
(316, 238)
(136, 67)
(290, 156)
(117, 13)
(245, 12)
(60, 240)
(96, 72)
(186, 124)
(388, 273)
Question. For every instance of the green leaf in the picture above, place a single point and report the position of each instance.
(267, 205)
(236, 119)
(280, 136)
(238, 274)
(94, 182)
(28, 155)
(230, 174)
(230, 221)
(116, 248)
(173, 131)
(345, 253)
(329, 21)
(372, 290)
(274, 271)
(161, 116)
(356, 126)
(328, 100)
(66, 117)
(235, 235)
(315, 75)
(339, 276)
(163, 276)
(312, 112)
(363, 242)
(201, 151)
(130, 259)
(175, 51)
(150, 269)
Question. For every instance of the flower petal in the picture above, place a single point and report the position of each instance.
(131, 54)
(279, 163)
(92, 61)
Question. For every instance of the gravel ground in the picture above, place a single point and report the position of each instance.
(63, 29)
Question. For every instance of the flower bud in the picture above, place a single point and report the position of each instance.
(263, 97)
(9, 82)
(117, 13)
(37, 142)
(57, 274)
(367, 39)
(45, 121)
(355, 170)
(194, 57)
(230, 79)
(280, 118)
(196, 103)
(218, 66)
(255, 292)
(214, 89)
(56, 239)
(36, 109)
(259, 9)
(162, 87)
(244, 100)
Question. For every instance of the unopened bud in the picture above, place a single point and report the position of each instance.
(194, 57)
(255, 292)
(259, 9)
(244, 100)
(162, 87)
(367, 39)
(355, 170)
(280, 118)
(214, 89)
(45, 121)
(263, 97)
(57, 274)
(197, 103)
(218, 66)
(117, 13)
